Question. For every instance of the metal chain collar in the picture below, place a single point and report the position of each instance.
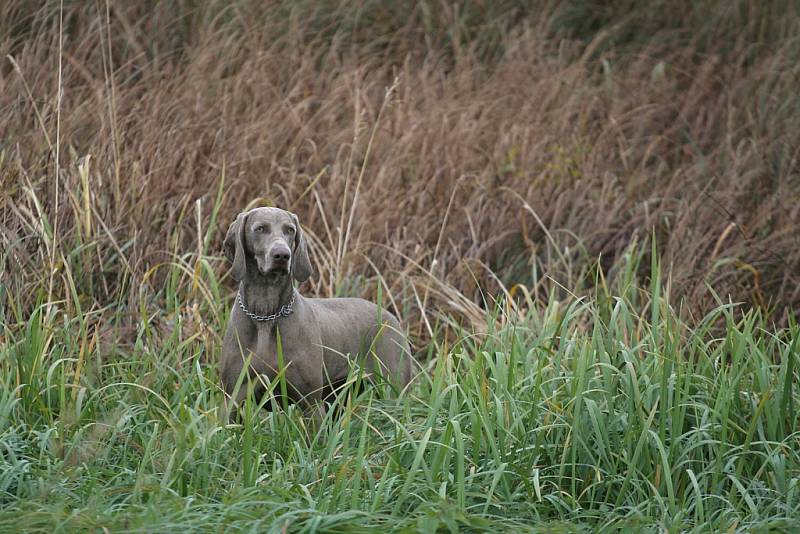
(284, 311)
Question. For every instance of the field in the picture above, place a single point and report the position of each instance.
(587, 215)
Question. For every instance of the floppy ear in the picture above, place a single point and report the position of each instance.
(301, 265)
(234, 246)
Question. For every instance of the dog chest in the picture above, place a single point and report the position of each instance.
(263, 344)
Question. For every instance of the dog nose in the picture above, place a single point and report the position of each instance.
(281, 254)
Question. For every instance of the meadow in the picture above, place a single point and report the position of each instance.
(586, 214)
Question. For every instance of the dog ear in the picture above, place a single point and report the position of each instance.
(301, 265)
(234, 246)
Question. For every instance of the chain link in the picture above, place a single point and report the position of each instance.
(285, 310)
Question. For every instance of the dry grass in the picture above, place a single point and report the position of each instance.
(446, 150)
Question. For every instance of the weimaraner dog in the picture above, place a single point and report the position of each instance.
(318, 335)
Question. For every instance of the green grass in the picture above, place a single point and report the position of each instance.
(604, 413)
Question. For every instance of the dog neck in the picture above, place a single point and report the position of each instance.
(264, 295)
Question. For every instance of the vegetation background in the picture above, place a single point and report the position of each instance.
(586, 213)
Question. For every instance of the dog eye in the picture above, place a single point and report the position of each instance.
(290, 229)
(261, 229)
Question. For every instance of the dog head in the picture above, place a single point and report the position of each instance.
(270, 243)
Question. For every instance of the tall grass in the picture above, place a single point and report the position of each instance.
(586, 215)
(520, 144)
(609, 412)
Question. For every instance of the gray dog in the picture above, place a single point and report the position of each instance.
(318, 336)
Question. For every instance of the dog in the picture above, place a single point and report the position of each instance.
(319, 337)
